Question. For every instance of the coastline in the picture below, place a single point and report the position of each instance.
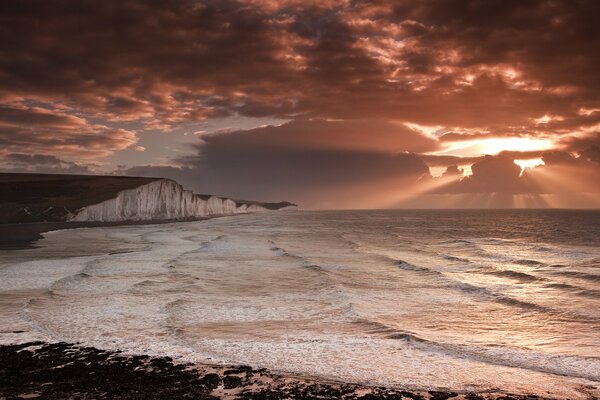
(20, 236)
(62, 370)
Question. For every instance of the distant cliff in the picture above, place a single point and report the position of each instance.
(166, 199)
(41, 197)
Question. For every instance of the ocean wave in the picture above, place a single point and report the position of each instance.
(489, 294)
(527, 262)
(457, 241)
(516, 275)
(483, 292)
(204, 245)
(385, 331)
(573, 366)
(145, 284)
(576, 290)
(284, 253)
(68, 282)
(578, 275)
(314, 267)
(353, 244)
(457, 259)
(27, 311)
(406, 266)
(592, 263)
(500, 298)
(112, 253)
(495, 241)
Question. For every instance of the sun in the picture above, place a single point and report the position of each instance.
(493, 146)
(497, 145)
(529, 163)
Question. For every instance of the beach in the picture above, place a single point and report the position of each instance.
(19, 236)
(61, 370)
(402, 304)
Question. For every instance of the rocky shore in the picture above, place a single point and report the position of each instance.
(40, 370)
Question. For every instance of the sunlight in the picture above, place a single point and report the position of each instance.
(493, 146)
(497, 145)
(431, 131)
(530, 163)
(466, 169)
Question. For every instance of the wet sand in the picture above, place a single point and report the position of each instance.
(61, 370)
(24, 235)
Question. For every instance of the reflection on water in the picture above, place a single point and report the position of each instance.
(425, 299)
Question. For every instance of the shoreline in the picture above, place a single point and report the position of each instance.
(62, 370)
(21, 236)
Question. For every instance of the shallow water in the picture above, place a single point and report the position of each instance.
(466, 300)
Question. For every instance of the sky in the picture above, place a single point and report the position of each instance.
(329, 104)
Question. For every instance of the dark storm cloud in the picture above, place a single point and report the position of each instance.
(491, 174)
(309, 162)
(591, 154)
(39, 130)
(452, 170)
(558, 157)
(367, 135)
(310, 177)
(581, 143)
(272, 163)
(135, 59)
(561, 173)
(457, 63)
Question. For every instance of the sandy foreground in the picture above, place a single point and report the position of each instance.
(66, 371)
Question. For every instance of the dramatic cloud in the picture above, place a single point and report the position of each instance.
(452, 170)
(367, 135)
(39, 130)
(456, 63)
(272, 163)
(561, 173)
(39, 163)
(491, 174)
(365, 81)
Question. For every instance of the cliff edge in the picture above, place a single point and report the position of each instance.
(53, 198)
(166, 199)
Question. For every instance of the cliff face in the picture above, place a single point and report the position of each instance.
(53, 198)
(166, 199)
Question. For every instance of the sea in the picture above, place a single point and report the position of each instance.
(469, 300)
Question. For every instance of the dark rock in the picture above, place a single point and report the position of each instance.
(211, 381)
(230, 382)
(473, 396)
(61, 370)
(410, 395)
(442, 395)
(238, 370)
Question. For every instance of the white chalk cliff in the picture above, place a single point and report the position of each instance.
(166, 199)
